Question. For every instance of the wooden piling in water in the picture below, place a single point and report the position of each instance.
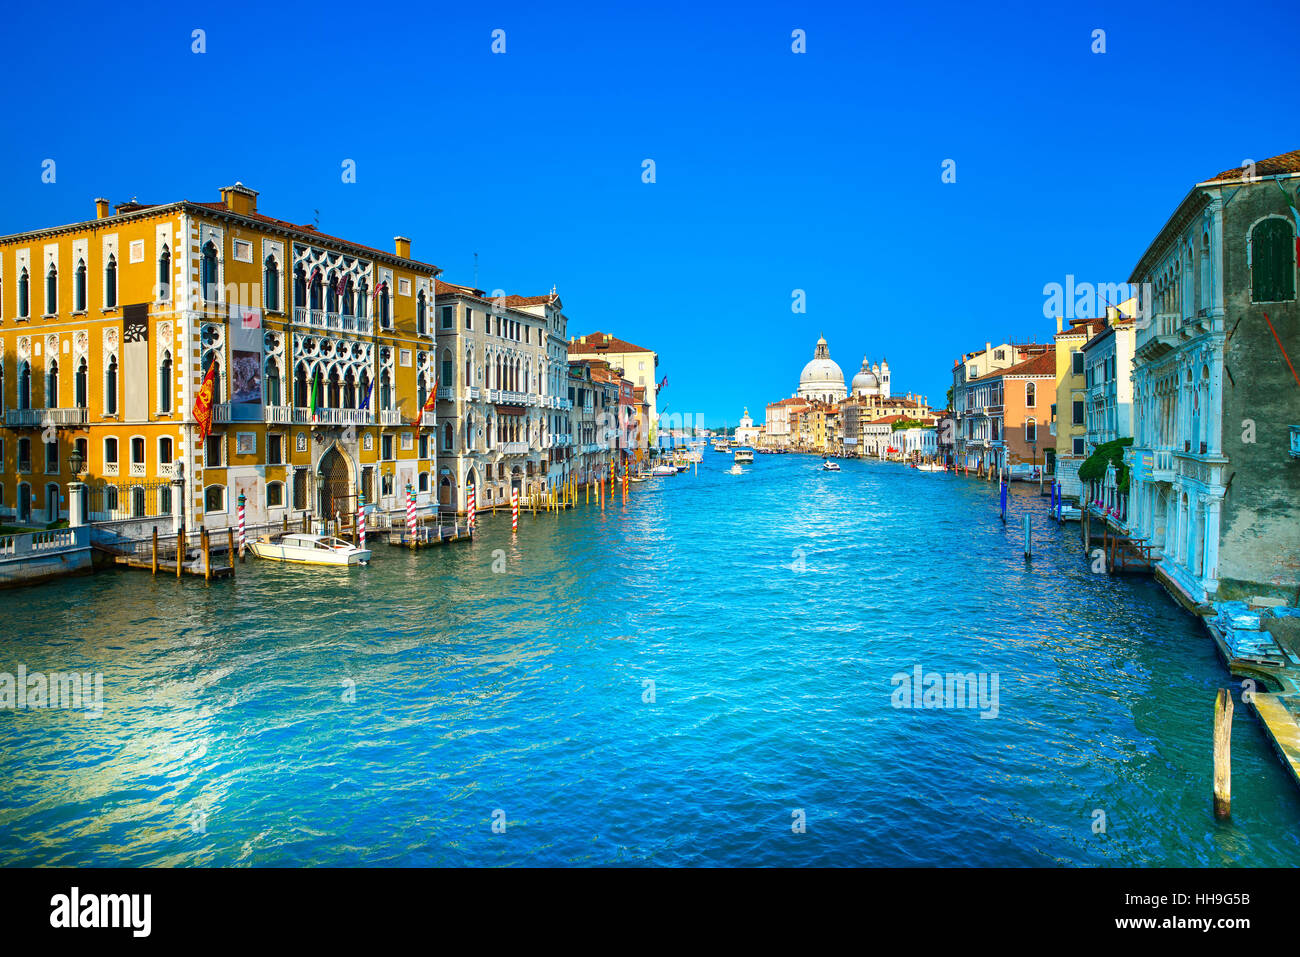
(205, 544)
(230, 544)
(180, 550)
(1223, 753)
(155, 550)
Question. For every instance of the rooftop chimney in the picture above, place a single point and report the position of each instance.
(988, 347)
(402, 246)
(1059, 322)
(239, 199)
(101, 208)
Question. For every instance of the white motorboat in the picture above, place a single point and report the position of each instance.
(304, 549)
(743, 456)
(829, 466)
(932, 467)
(735, 470)
(664, 470)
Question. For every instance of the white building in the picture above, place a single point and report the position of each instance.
(746, 431)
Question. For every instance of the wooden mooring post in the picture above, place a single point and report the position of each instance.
(180, 550)
(155, 550)
(204, 544)
(1223, 753)
(230, 532)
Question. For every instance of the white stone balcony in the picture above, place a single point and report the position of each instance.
(446, 392)
(390, 417)
(41, 418)
(513, 448)
(428, 418)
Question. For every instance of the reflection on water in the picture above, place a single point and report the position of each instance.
(663, 683)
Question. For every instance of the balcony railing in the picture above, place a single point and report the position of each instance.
(336, 321)
(473, 393)
(446, 392)
(390, 417)
(428, 418)
(288, 415)
(40, 418)
(513, 448)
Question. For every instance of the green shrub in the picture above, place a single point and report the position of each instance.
(1094, 466)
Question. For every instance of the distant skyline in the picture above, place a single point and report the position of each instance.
(775, 171)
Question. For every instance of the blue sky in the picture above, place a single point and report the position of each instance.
(775, 171)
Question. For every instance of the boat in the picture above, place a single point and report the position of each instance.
(304, 549)
(932, 467)
(683, 467)
(735, 470)
(743, 456)
(664, 470)
(829, 466)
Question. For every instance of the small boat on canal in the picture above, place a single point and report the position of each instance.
(743, 456)
(829, 466)
(304, 549)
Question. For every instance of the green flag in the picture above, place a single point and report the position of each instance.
(311, 401)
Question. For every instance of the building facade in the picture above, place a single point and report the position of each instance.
(320, 348)
(1214, 484)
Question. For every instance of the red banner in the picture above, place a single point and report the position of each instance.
(203, 403)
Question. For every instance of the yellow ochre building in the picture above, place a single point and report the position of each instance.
(324, 356)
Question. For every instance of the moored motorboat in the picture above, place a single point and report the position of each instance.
(304, 549)
(662, 470)
(932, 467)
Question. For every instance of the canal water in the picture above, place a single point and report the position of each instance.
(702, 677)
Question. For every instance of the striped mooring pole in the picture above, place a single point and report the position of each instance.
(239, 514)
(514, 510)
(410, 513)
(470, 508)
(361, 521)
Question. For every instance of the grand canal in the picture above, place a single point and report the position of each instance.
(392, 714)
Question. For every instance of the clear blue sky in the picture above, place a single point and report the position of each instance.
(775, 171)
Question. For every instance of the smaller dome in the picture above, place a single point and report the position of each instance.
(866, 382)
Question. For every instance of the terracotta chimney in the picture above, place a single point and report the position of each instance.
(101, 208)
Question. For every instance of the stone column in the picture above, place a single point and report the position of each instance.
(76, 504)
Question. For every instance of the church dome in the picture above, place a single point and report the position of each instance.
(866, 382)
(822, 378)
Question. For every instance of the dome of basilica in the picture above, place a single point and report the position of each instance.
(822, 378)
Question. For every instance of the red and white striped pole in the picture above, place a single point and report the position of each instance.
(514, 510)
(470, 508)
(361, 521)
(410, 513)
(239, 512)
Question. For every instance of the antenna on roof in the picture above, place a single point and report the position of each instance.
(316, 221)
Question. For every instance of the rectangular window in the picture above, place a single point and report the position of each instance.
(1076, 363)
(275, 449)
(275, 495)
(1076, 412)
(424, 445)
(447, 312)
(110, 451)
(52, 458)
(1078, 445)
(469, 318)
(386, 448)
(215, 450)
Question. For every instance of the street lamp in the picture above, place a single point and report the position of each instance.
(76, 460)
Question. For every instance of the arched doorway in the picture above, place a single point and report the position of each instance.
(334, 484)
(517, 479)
(444, 491)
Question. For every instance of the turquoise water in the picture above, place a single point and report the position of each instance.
(769, 609)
